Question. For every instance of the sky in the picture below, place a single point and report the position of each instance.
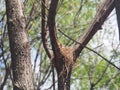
(107, 41)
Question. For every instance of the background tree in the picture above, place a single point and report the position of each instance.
(19, 46)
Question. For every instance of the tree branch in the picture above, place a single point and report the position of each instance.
(52, 26)
(44, 31)
(91, 50)
(102, 14)
(117, 7)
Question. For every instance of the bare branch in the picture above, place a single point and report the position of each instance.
(44, 30)
(96, 24)
(33, 14)
(82, 2)
(5, 79)
(36, 57)
(91, 50)
(45, 77)
(7, 69)
(53, 78)
(52, 26)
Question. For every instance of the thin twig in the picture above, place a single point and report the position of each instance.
(90, 49)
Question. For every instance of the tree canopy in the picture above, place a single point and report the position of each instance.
(97, 65)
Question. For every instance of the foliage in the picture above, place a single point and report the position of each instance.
(73, 21)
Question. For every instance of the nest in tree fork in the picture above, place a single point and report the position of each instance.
(64, 61)
(67, 52)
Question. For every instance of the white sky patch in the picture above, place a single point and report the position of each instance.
(33, 55)
(108, 38)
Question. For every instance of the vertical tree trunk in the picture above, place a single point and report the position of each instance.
(64, 81)
(92, 87)
(64, 64)
(19, 46)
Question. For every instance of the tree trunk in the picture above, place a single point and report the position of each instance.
(19, 46)
(92, 87)
(64, 81)
(63, 75)
(63, 63)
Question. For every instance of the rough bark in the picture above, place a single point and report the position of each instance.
(19, 46)
(64, 64)
(64, 81)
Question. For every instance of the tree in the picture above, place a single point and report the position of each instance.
(63, 54)
(64, 57)
(19, 46)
